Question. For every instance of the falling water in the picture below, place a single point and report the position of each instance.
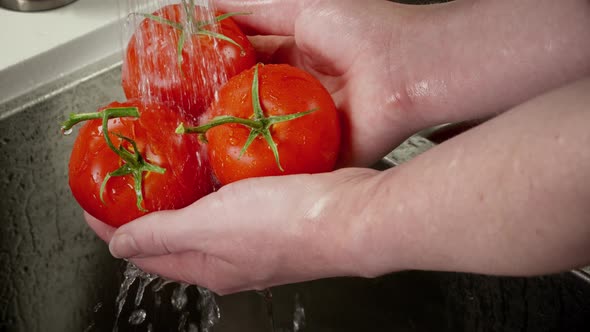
(204, 307)
(206, 66)
(131, 274)
(210, 314)
(298, 315)
(150, 52)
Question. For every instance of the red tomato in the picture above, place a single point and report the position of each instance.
(151, 66)
(186, 178)
(308, 144)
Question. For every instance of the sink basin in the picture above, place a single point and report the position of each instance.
(55, 275)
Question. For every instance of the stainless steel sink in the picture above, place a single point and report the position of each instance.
(33, 5)
(54, 271)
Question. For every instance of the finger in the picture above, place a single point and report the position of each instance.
(270, 17)
(104, 231)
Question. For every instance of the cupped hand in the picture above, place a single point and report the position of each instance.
(354, 48)
(253, 234)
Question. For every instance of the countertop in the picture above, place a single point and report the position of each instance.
(39, 47)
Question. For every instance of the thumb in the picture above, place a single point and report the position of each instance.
(198, 227)
(155, 234)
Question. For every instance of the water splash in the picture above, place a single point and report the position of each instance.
(131, 274)
(205, 307)
(210, 314)
(144, 281)
(179, 297)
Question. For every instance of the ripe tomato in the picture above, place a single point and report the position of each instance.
(306, 144)
(186, 177)
(151, 67)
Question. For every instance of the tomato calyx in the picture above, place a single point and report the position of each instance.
(195, 27)
(259, 124)
(134, 164)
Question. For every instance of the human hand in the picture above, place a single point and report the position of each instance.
(254, 233)
(394, 69)
(501, 207)
(430, 203)
(339, 43)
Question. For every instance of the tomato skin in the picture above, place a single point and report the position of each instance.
(187, 176)
(150, 67)
(309, 144)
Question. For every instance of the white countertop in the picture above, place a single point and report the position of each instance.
(38, 47)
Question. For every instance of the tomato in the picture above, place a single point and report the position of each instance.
(308, 143)
(186, 176)
(152, 68)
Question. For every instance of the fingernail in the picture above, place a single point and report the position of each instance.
(123, 246)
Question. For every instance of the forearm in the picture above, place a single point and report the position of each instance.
(474, 58)
(509, 197)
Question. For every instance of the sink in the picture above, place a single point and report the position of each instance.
(55, 275)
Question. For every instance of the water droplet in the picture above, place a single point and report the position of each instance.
(298, 315)
(67, 132)
(179, 297)
(137, 317)
(243, 53)
(97, 307)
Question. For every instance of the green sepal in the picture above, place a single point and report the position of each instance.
(253, 134)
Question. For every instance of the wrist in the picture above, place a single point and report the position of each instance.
(361, 236)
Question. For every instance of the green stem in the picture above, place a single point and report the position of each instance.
(115, 112)
(218, 121)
